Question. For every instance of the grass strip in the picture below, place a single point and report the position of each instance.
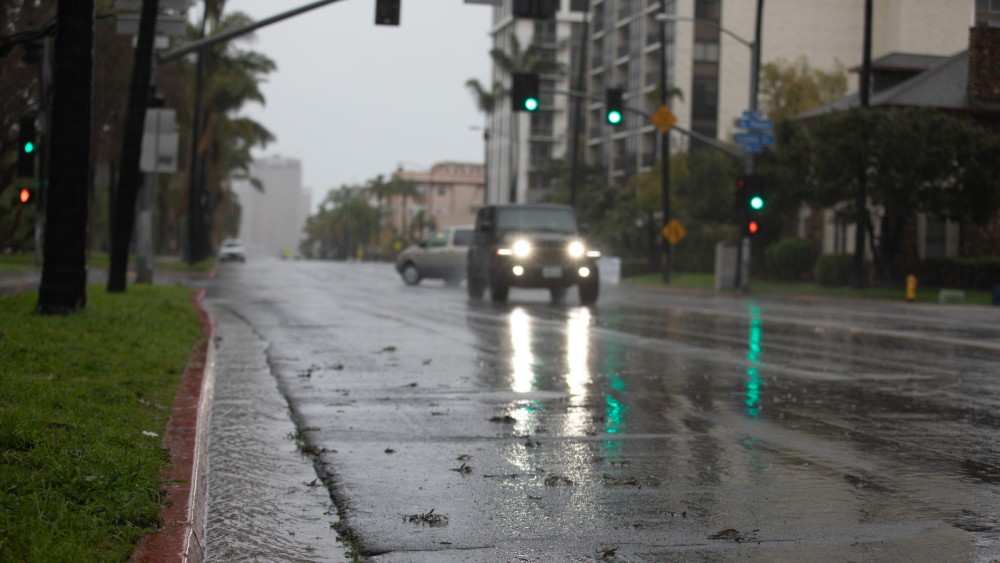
(682, 280)
(79, 479)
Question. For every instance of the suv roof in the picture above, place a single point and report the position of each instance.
(537, 205)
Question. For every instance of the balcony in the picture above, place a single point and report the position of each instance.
(648, 159)
(652, 38)
(595, 132)
(623, 50)
(653, 78)
(625, 10)
(597, 61)
(625, 162)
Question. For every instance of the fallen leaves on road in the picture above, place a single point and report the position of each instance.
(534, 498)
(553, 480)
(612, 480)
(463, 469)
(389, 349)
(735, 535)
(426, 518)
(607, 551)
(390, 451)
(427, 362)
(463, 457)
(505, 419)
(622, 463)
(435, 413)
(336, 367)
(530, 444)
(314, 483)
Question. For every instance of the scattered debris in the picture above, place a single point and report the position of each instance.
(414, 384)
(463, 457)
(311, 429)
(530, 444)
(150, 403)
(336, 367)
(612, 480)
(389, 349)
(150, 434)
(463, 469)
(314, 483)
(553, 480)
(672, 513)
(390, 451)
(607, 551)
(426, 518)
(505, 419)
(436, 413)
(444, 542)
(600, 418)
(735, 535)
(597, 459)
(534, 498)
(622, 463)
(491, 476)
(427, 362)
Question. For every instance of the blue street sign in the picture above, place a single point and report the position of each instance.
(753, 139)
(752, 148)
(753, 114)
(754, 124)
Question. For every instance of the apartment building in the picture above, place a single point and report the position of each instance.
(712, 69)
(450, 193)
(272, 220)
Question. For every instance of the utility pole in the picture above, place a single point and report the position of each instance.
(861, 203)
(135, 121)
(194, 226)
(668, 258)
(63, 287)
(581, 86)
(43, 113)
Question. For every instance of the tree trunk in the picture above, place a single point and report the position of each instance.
(63, 287)
(135, 120)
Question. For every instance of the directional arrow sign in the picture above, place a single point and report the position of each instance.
(754, 124)
(753, 139)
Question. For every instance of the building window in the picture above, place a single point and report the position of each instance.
(547, 99)
(840, 235)
(935, 237)
(705, 101)
(705, 52)
(440, 210)
(540, 153)
(545, 32)
(442, 190)
(541, 123)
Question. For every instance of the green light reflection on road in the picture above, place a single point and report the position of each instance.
(754, 383)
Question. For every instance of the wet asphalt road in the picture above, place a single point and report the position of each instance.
(825, 430)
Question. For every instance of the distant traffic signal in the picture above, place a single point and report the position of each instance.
(26, 196)
(613, 106)
(536, 9)
(387, 12)
(750, 193)
(752, 227)
(524, 92)
(26, 148)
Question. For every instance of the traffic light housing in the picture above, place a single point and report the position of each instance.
(387, 12)
(26, 148)
(750, 202)
(613, 106)
(524, 92)
(536, 9)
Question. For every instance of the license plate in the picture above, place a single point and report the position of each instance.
(550, 272)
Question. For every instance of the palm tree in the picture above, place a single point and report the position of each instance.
(486, 101)
(517, 60)
(406, 189)
(380, 188)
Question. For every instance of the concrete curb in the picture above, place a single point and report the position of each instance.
(181, 539)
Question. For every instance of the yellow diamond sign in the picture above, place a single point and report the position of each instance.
(663, 119)
(673, 231)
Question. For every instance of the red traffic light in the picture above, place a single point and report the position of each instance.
(25, 195)
(752, 227)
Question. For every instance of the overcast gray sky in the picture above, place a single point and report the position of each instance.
(353, 100)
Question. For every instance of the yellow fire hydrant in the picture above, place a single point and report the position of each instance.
(911, 287)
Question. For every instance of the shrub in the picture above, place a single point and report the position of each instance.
(789, 260)
(834, 269)
(960, 273)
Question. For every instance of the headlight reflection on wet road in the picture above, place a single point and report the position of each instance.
(522, 361)
(578, 375)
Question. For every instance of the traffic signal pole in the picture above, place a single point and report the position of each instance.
(668, 262)
(742, 282)
(574, 175)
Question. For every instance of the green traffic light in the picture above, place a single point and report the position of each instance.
(614, 117)
(757, 203)
(29, 147)
(531, 104)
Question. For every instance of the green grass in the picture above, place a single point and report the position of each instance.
(102, 260)
(78, 479)
(706, 282)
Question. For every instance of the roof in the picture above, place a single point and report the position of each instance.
(904, 61)
(945, 86)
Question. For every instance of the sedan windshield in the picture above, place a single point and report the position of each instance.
(535, 219)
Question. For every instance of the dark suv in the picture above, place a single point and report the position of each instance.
(531, 245)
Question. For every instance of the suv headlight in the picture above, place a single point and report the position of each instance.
(576, 249)
(522, 248)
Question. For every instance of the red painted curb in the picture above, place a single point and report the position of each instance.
(181, 539)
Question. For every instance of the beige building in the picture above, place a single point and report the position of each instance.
(450, 193)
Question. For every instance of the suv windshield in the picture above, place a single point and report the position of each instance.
(536, 219)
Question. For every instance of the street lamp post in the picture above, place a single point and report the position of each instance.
(668, 262)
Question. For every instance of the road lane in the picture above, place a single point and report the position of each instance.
(817, 430)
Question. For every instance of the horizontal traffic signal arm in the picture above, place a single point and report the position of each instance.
(524, 91)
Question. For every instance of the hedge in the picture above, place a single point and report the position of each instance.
(834, 269)
(790, 259)
(960, 273)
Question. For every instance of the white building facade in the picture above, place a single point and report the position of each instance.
(272, 220)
